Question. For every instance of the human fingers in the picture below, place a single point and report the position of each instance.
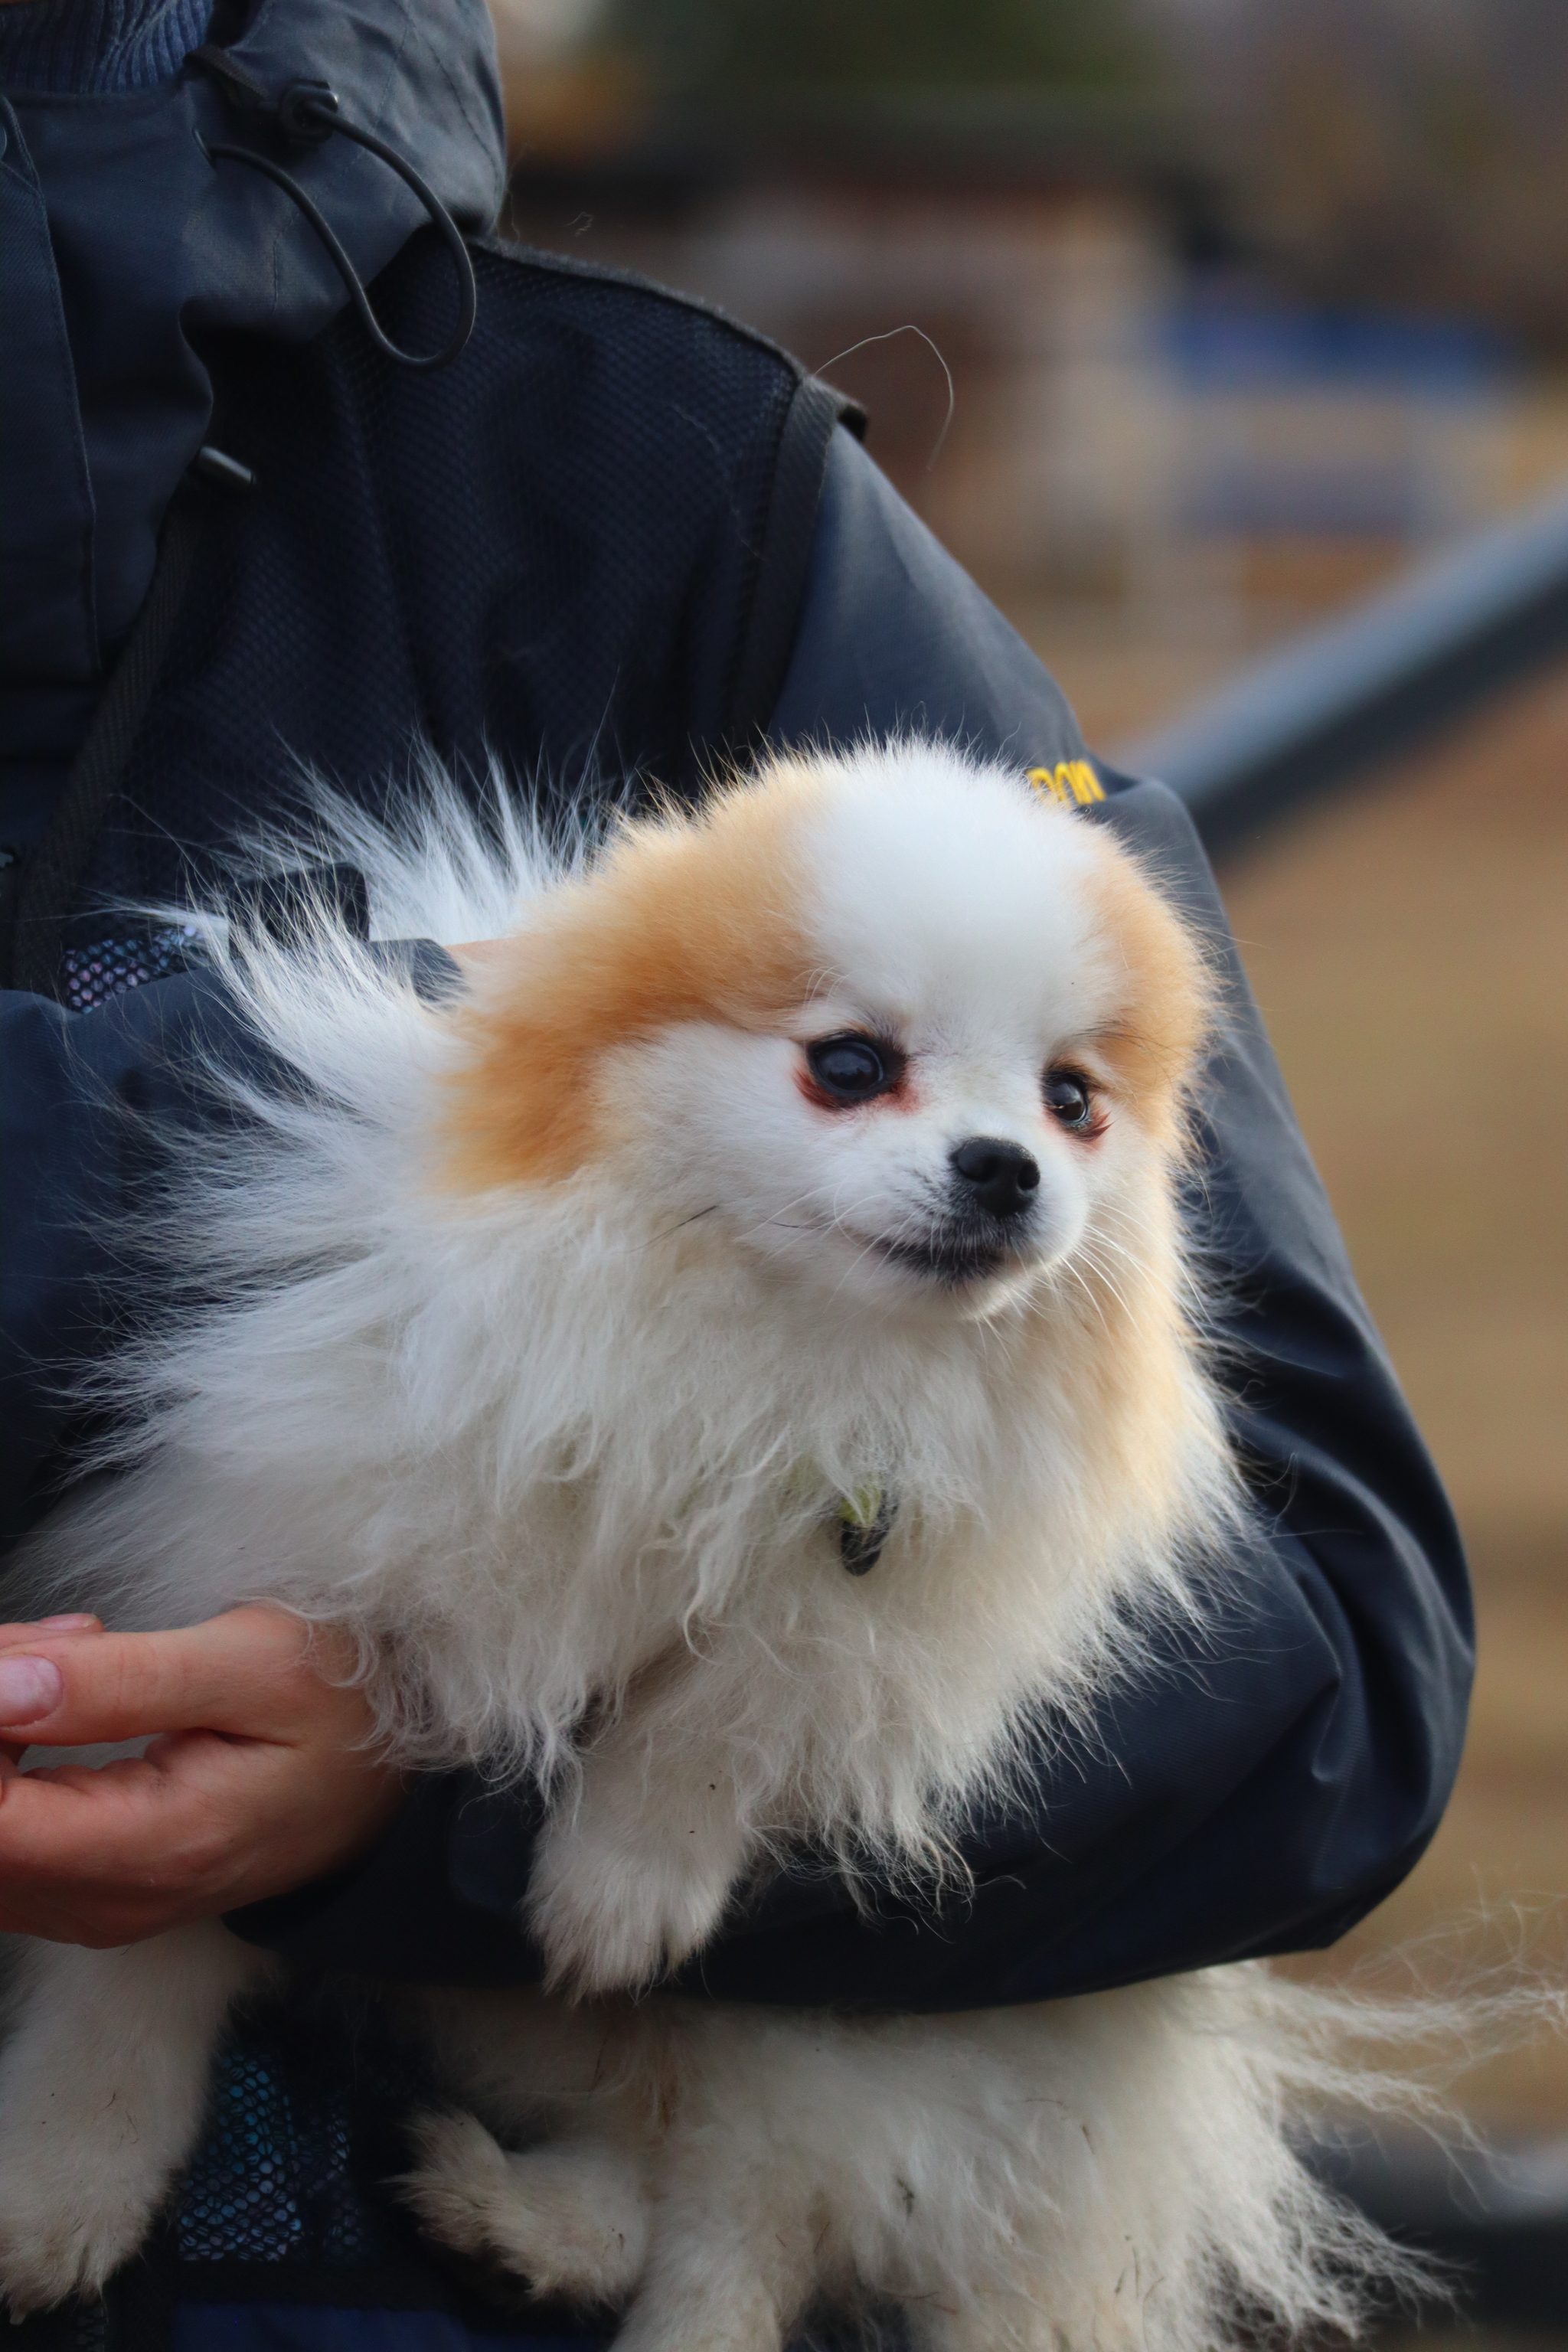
(95, 1856)
(26, 1633)
(199, 1825)
(30, 1629)
(266, 1774)
(255, 1672)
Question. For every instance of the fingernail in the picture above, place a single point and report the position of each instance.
(65, 1624)
(29, 1687)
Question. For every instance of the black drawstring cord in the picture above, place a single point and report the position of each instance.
(307, 115)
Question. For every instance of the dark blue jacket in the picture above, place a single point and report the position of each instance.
(622, 534)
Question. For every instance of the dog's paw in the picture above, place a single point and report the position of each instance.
(67, 2229)
(459, 2187)
(615, 1924)
(571, 2221)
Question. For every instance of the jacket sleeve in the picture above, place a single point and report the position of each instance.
(1258, 1786)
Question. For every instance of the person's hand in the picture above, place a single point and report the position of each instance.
(261, 1778)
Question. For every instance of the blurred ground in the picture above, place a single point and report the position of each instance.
(1409, 946)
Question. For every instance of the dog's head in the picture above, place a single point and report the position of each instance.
(891, 1023)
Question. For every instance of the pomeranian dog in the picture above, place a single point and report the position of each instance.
(735, 1366)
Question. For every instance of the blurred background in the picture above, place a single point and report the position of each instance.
(1189, 325)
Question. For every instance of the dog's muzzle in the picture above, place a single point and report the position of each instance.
(992, 1199)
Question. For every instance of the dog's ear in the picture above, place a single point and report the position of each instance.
(688, 917)
(1156, 1040)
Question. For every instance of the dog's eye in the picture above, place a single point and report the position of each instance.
(1067, 1097)
(851, 1069)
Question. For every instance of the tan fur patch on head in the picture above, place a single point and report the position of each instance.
(1153, 1047)
(688, 917)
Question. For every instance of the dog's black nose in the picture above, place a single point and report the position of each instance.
(1001, 1176)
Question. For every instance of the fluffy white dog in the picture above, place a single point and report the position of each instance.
(736, 1366)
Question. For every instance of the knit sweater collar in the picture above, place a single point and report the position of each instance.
(93, 47)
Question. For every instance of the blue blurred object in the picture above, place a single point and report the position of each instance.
(1369, 683)
(1323, 424)
(1229, 344)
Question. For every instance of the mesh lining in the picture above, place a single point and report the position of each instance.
(549, 550)
(266, 2169)
(91, 975)
(302, 2131)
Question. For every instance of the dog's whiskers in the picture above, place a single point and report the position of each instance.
(1066, 1266)
(680, 1224)
(781, 1219)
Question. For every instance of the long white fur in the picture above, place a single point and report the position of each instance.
(524, 1440)
(1107, 2170)
(569, 1451)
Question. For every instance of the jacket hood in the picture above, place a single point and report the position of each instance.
(128, 239)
